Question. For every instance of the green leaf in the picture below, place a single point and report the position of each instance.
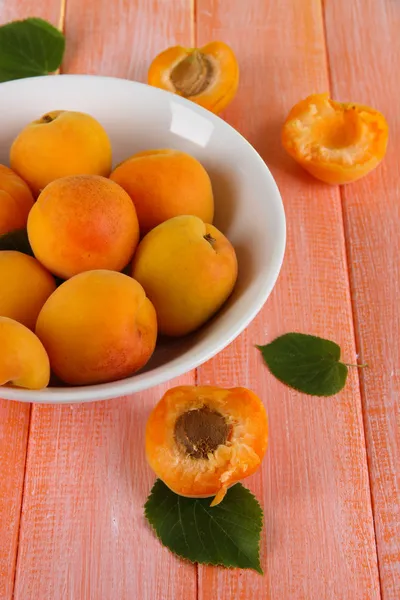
(16, 240)
(306, 363)
(227, 534)
(29, 48)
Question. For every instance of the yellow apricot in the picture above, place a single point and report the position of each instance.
(23, 360)
(25, 286)
(188, 270)
(60, 143)
(98, 326)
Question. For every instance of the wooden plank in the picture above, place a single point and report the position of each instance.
(319, 539)
(14, 417)
(83, 533)
(364, 57)
(14, 426)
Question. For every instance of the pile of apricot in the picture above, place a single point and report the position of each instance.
(134, 248)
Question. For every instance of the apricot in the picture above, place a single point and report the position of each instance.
(16, 201)
(164, 184)
(201, 440)
(23, 359)
(98, 326)
(188, 270)
(25, 286)
(208, 76)
(60, 143)
(336, 142)
(81, 223)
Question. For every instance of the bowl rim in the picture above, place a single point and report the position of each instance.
(178, 367)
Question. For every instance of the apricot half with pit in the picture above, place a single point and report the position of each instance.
(188, 270)
(208, 76)
(201, 440)
(58, 144)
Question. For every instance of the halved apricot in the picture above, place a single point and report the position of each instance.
(209, 76)
(201, 440)
(336, 142)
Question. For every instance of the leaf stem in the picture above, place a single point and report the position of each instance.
(357, 366)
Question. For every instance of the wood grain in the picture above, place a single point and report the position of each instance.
(14, 417)
(365, 62)
(83, 534)
(319, 540)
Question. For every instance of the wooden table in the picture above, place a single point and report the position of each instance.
(73, 479)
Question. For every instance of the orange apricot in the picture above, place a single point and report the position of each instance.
(81, 223)
(23, 359)
(201, 440)
(208, 76)
(58, 144)
(335, 142)
(16, 201)
(188, 270)
(25, 286)
(98, 326)
(164, 184)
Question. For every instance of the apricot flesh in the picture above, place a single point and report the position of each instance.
(188, 270)
(58, 144)
(25, 286)
(98, 326)
(165, 183)
(23, 359)
(200, 440)
(336, 142)
(81, 223)
(16, 201)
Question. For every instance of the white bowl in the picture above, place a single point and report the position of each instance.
(249, 208)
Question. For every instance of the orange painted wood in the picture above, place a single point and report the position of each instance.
(83, 535)
(14, 425)
(318, 542)
(14, 417)
(364, 62)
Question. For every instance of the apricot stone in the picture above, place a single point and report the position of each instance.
(96, 327)
(60, 143)
(23, 359)
(164, 184)
(81, 223)
(25, 286)
(188, 270)
(16, 201)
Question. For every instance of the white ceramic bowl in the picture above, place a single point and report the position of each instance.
(249, 209)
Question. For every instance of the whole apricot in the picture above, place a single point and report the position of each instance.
(16, 201)
(188, 270)
(23, 359)
(96, 327)
(60, 143)
(164, 184)
(81, 223)
(25, 286)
